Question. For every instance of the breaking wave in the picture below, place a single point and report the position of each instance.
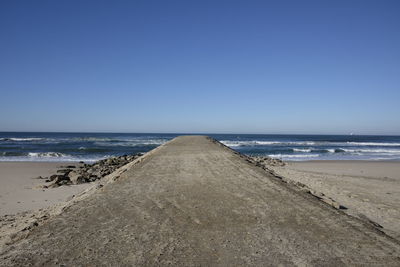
(15, 139)
(33, 154)
(265, 143)
(47, 154)
(372, 144)
(294, 156)
(304, 143)
(92, 146)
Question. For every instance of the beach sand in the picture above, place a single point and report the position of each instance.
(21, 191)
(368, 189)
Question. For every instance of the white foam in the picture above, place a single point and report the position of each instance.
(87, 139)
(293, 156)
(302, 150)
(257, 142)
(393, 151)
(372, 144)
(21, 139)
(132, 143)
(46, 154)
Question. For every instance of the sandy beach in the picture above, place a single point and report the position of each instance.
(21, 191)
(368, 189)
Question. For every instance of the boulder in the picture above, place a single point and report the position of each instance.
(76, 178)
(64, 171)
(89, 172)
(52, 177)
(60, 178)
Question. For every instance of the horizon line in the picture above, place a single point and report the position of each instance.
(195, 133)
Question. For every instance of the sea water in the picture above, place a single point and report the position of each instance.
(90, 147)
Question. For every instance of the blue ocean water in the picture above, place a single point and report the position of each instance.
(90, 147)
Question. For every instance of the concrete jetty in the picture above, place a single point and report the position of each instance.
(195, 202)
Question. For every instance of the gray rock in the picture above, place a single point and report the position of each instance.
(89, 172)
(61, 178)
(79, 180)
(64, 171)
(52, 177)
(76, 178)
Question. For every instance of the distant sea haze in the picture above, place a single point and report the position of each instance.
(90, 147)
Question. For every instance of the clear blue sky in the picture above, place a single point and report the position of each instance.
(200, 66)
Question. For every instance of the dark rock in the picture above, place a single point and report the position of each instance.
(64, 171)
(64, 182)
(267, 161)
(54, 176)
(60, 178)
(76, 178)
(89, 172)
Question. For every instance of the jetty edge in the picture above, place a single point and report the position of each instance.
(192, 201)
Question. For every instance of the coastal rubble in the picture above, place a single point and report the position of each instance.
(267, 161)
(85, 173)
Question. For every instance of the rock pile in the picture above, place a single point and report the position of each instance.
(267, 161)
(85, 173)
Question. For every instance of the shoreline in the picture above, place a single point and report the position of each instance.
(248, 155)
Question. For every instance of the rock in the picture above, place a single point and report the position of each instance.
(97, 173)
(89, 172)
(30, 226)
(54, 176)
(267, 161)
(76, 178)
(53, 185)
(64, 171)
(93, 178)
(60, 178)
(64, 182)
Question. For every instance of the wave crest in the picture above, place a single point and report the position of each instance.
(21, 139)
(47, 154)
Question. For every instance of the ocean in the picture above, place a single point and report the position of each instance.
(89, 147)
